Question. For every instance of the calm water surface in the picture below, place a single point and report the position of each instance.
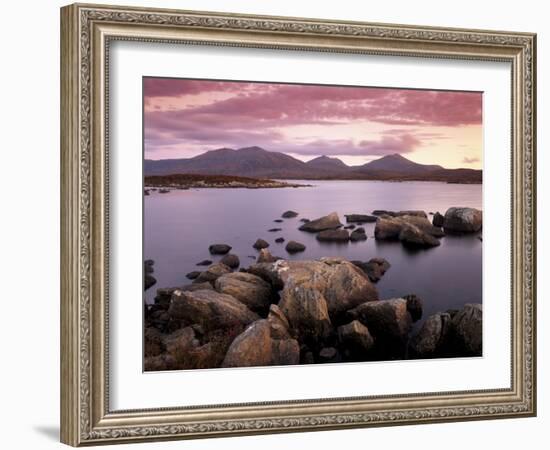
(179, 227)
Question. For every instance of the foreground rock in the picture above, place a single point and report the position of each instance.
(463, 220)
(230, 260)
(363, 218)
(289, 214)
(219, 249)
(295, 247)
(355, 338)
(249, 289)
(388, 320)
(333, 236)
(210, 309)
(258, 345)
(450, 334)
(375, 268)
(330, 222)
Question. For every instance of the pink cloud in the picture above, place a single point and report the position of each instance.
(255, 114)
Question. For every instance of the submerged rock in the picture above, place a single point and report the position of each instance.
(295, 247)
(279, 240)
(274, 230)
(333, 236)
(230, 260)
(279, 220)
(328, 222)
(304, 220)
(289, 214)
(193, 275)
(365, 218)
(204, 262)
(219, 249)
(463, 220)
(260, 243)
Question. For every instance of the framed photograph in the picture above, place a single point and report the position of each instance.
(279, 224)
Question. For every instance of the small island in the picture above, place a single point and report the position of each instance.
(186, 181)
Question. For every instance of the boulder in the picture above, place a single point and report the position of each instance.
(333, 236)
(256, 347)
(412, 236)
(355, 337)
(279, 240)
(289, 214)
(266, 257)
(210, 309)
(365, 218)
(295, 247)
(230, 260)
(193, 275)
(279, 323)
(329, 222)
(153, 344)
(212, 273)
(358, 235)
(160, 362)
(432, 336)
(260, 243)
(180, 342)
(415, 306)
(438, 220)
(386, 319)
(375, 268)
(307, 312)
(249, 289)
(463, 220)
(468, 330)
(219, 249)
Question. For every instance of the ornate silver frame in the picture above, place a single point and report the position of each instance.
(86, 31)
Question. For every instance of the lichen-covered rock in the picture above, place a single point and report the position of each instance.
(468, 331)
(385, 319)
(329, 222)
(249, 289)
(432, 337)
(463, 220)
(210, 309)
(355, 337)
(256, 347)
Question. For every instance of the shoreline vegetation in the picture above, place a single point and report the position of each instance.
(188, 181)
(278, 311)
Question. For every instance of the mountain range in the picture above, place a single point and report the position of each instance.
(259, 163)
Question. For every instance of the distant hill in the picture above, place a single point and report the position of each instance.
(259, 163)
(398, 163)
(328, 164)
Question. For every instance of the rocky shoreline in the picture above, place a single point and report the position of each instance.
(163, 183)
(282, 312)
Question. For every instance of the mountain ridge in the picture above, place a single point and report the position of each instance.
(260, 163)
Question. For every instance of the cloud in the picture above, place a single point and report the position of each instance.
(467, 160)
(265, 114)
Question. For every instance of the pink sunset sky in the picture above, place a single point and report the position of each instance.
(183, 118)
